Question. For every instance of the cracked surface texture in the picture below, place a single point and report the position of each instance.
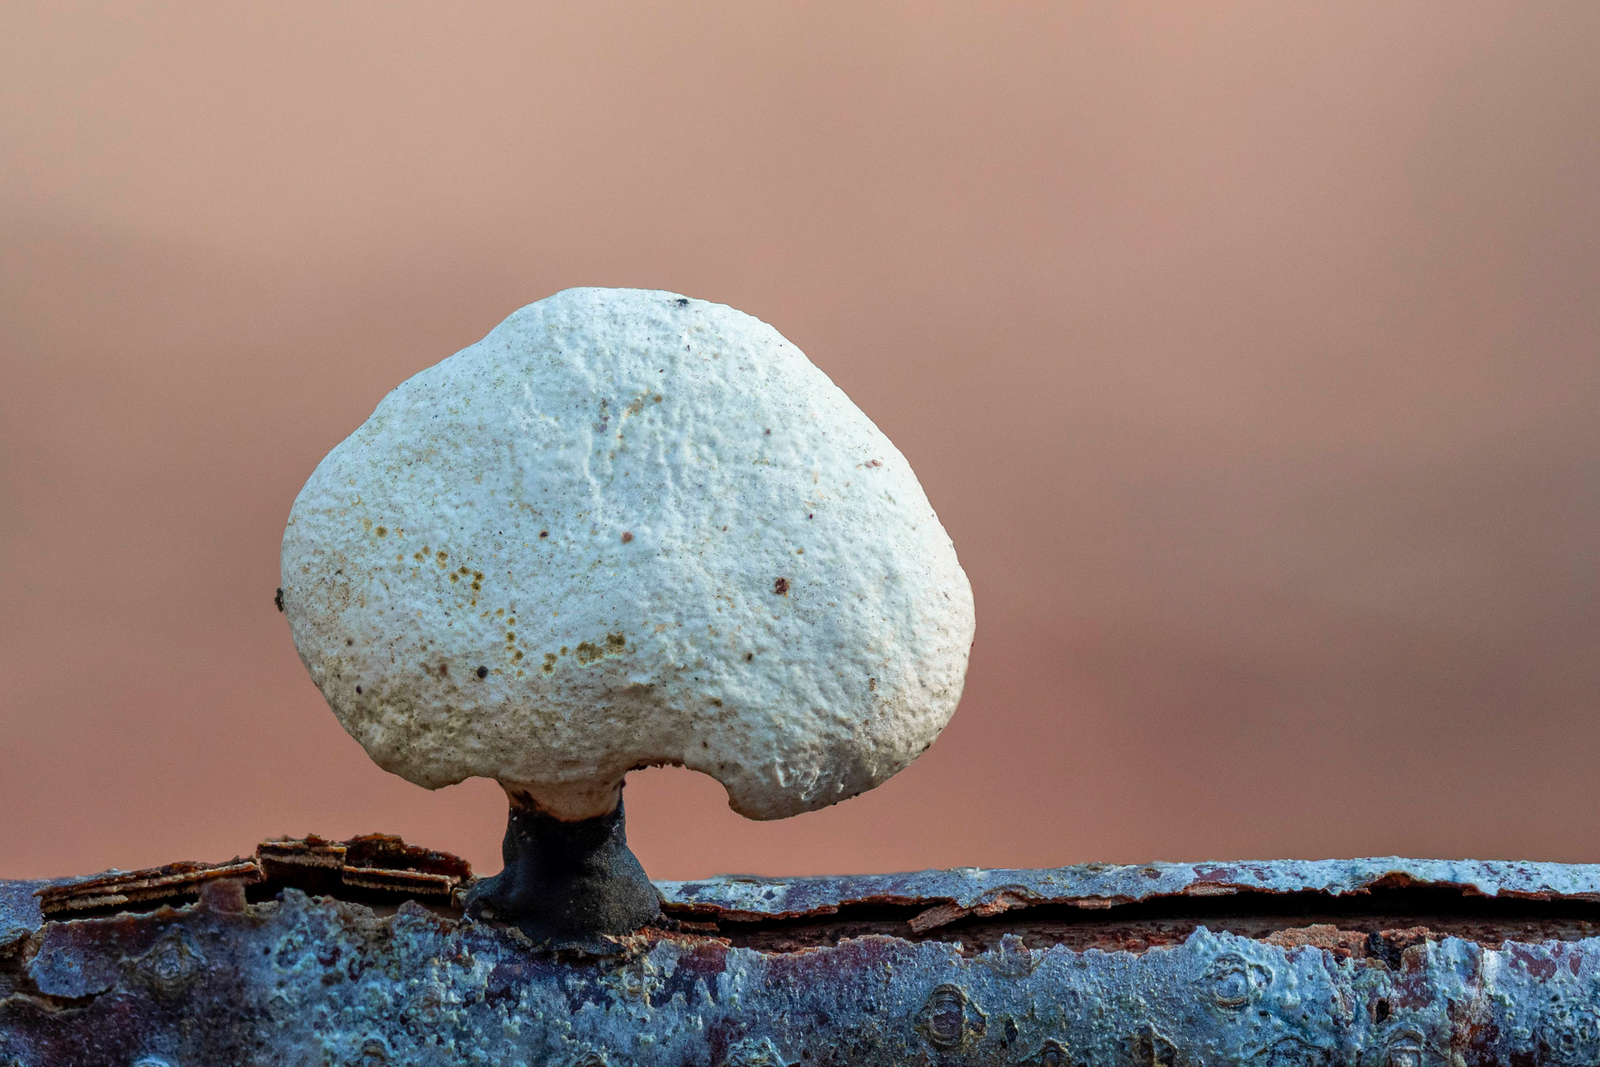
(628, 528)
(1373, 963)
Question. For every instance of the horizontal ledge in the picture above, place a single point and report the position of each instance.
(354, 952)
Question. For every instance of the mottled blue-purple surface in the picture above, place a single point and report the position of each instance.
(299, 980)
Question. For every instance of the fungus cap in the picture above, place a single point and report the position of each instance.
(627, 529)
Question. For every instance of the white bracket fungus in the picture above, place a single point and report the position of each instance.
(628, 528)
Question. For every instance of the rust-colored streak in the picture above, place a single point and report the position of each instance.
(360, 868)
(130, 889)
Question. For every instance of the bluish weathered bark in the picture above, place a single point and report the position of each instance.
(1380, 962)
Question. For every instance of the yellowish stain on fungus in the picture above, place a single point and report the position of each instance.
(550, 662)
(588, 651)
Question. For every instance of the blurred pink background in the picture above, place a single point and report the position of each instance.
(1249, 352)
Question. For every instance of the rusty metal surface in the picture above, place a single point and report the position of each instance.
(1368, 962)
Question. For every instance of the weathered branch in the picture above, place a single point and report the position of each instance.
(316, 952)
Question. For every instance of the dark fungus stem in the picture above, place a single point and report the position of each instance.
(566, 884)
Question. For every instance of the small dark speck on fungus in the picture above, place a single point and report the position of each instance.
(544, 533)
(626, 537)
(781, 587)
(277, 598)
(483, 672)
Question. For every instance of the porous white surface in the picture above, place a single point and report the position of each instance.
(628, 528)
